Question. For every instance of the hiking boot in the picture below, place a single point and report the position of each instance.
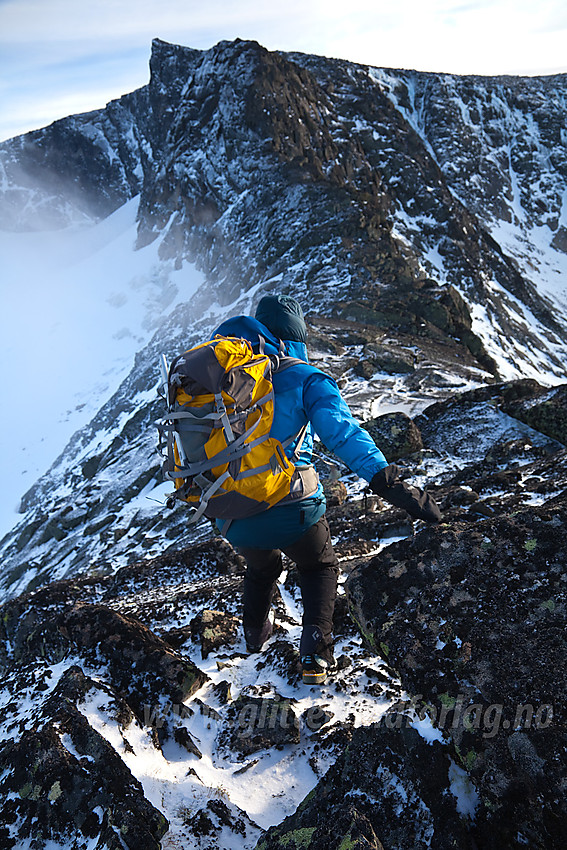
(316, 653)
(256, 637)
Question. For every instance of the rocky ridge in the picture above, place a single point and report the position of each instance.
(443, 726)
(420, 218)
(314, 177)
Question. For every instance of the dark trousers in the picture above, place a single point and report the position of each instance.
(318, 572)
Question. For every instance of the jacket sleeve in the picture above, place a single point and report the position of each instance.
(338, 429)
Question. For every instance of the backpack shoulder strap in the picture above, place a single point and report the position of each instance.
(285, 362)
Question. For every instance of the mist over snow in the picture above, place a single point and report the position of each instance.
(77, 304)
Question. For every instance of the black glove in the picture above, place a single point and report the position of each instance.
(418, 503)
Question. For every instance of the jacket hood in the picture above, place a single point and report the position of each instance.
(283, 316)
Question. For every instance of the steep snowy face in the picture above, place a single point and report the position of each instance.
(426, 260)
(71, 172)
(500, 141)
(389, 185)
(501, 146)
(467, 210)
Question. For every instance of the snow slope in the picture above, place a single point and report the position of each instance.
(77, 306)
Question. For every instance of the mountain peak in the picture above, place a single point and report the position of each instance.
(409, 212)
(420, 219)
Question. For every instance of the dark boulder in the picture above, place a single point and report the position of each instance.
(383, 358)
(141, 665)
(214, 629)
(335, 492)
(546, 412)
(63, 781)
(395, 434)
(389, 788)
(473, 619)
(470, 424)
(258, 723)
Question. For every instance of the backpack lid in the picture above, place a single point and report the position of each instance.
(252, 329)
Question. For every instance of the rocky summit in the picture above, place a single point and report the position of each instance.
(420, 218)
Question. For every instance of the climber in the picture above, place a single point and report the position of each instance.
(306, 400)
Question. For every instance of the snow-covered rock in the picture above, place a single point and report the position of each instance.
(132, 714)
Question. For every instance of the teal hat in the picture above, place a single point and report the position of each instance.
(283, 316)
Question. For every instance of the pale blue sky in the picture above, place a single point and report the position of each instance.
(58, 57)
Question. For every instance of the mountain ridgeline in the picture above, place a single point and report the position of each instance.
(377, 197)
(421, 219)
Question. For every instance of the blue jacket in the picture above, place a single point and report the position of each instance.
(303, 394)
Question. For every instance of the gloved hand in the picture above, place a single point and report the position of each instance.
(387, 484)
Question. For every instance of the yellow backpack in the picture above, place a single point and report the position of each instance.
(216, 434)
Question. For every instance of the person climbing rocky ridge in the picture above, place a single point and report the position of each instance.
(132, 715)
